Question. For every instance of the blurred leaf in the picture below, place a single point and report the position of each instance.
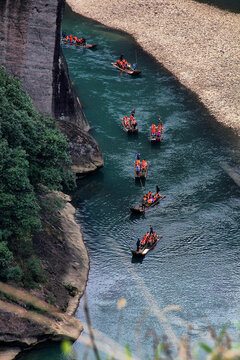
(128, 352)
(195, 353)
(237, 323)
(221, 335)
(121, 303)
(66, 347)
(236, 345)
(158, 351)
(205, 347)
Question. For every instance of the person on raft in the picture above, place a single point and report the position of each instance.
(137, 166)
(151, 229)
(83, 41)
(122, 63)
(138, 244)
(74, 40)
(133, 122)
(144, 165)
(150, 198)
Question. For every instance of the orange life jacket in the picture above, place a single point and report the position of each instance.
(143, 164)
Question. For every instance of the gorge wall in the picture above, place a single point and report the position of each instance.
(30, 49)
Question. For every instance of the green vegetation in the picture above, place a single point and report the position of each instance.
(33, 152)
(72, 290)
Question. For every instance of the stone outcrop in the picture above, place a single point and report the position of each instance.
(84, 150)
(30, 49)
(27, 328)
(66, 264)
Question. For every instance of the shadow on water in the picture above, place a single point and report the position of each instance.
(135, 216)
(231, 5)
(137, 260)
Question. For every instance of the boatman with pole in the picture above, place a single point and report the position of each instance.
(138, 244)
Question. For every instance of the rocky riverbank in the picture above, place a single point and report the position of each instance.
(66, 264)
(40, 64)
(198, 43)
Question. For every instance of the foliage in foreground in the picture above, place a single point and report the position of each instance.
(32, 152)
(218, 346)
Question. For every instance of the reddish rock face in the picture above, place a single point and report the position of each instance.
(30, 49)
(28, 41)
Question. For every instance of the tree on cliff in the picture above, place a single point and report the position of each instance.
(32, 152)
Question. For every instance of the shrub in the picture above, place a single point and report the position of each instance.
(51, 299)
(14, 273)
(33, 273)
(32, 151)
(6, 255)
(72, 290)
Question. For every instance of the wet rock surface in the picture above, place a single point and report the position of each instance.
(85, 152)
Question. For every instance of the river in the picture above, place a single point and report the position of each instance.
(232, 5)
(196, 263)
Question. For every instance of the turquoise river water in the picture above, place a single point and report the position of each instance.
(196, 264)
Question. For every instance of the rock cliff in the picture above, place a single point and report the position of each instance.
(30, 49)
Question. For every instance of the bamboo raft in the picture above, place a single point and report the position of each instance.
(129, 71)
(129, 129)
(154, 139)
(142, 174)
(143, 206)
(85, 46)
(144, 250)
